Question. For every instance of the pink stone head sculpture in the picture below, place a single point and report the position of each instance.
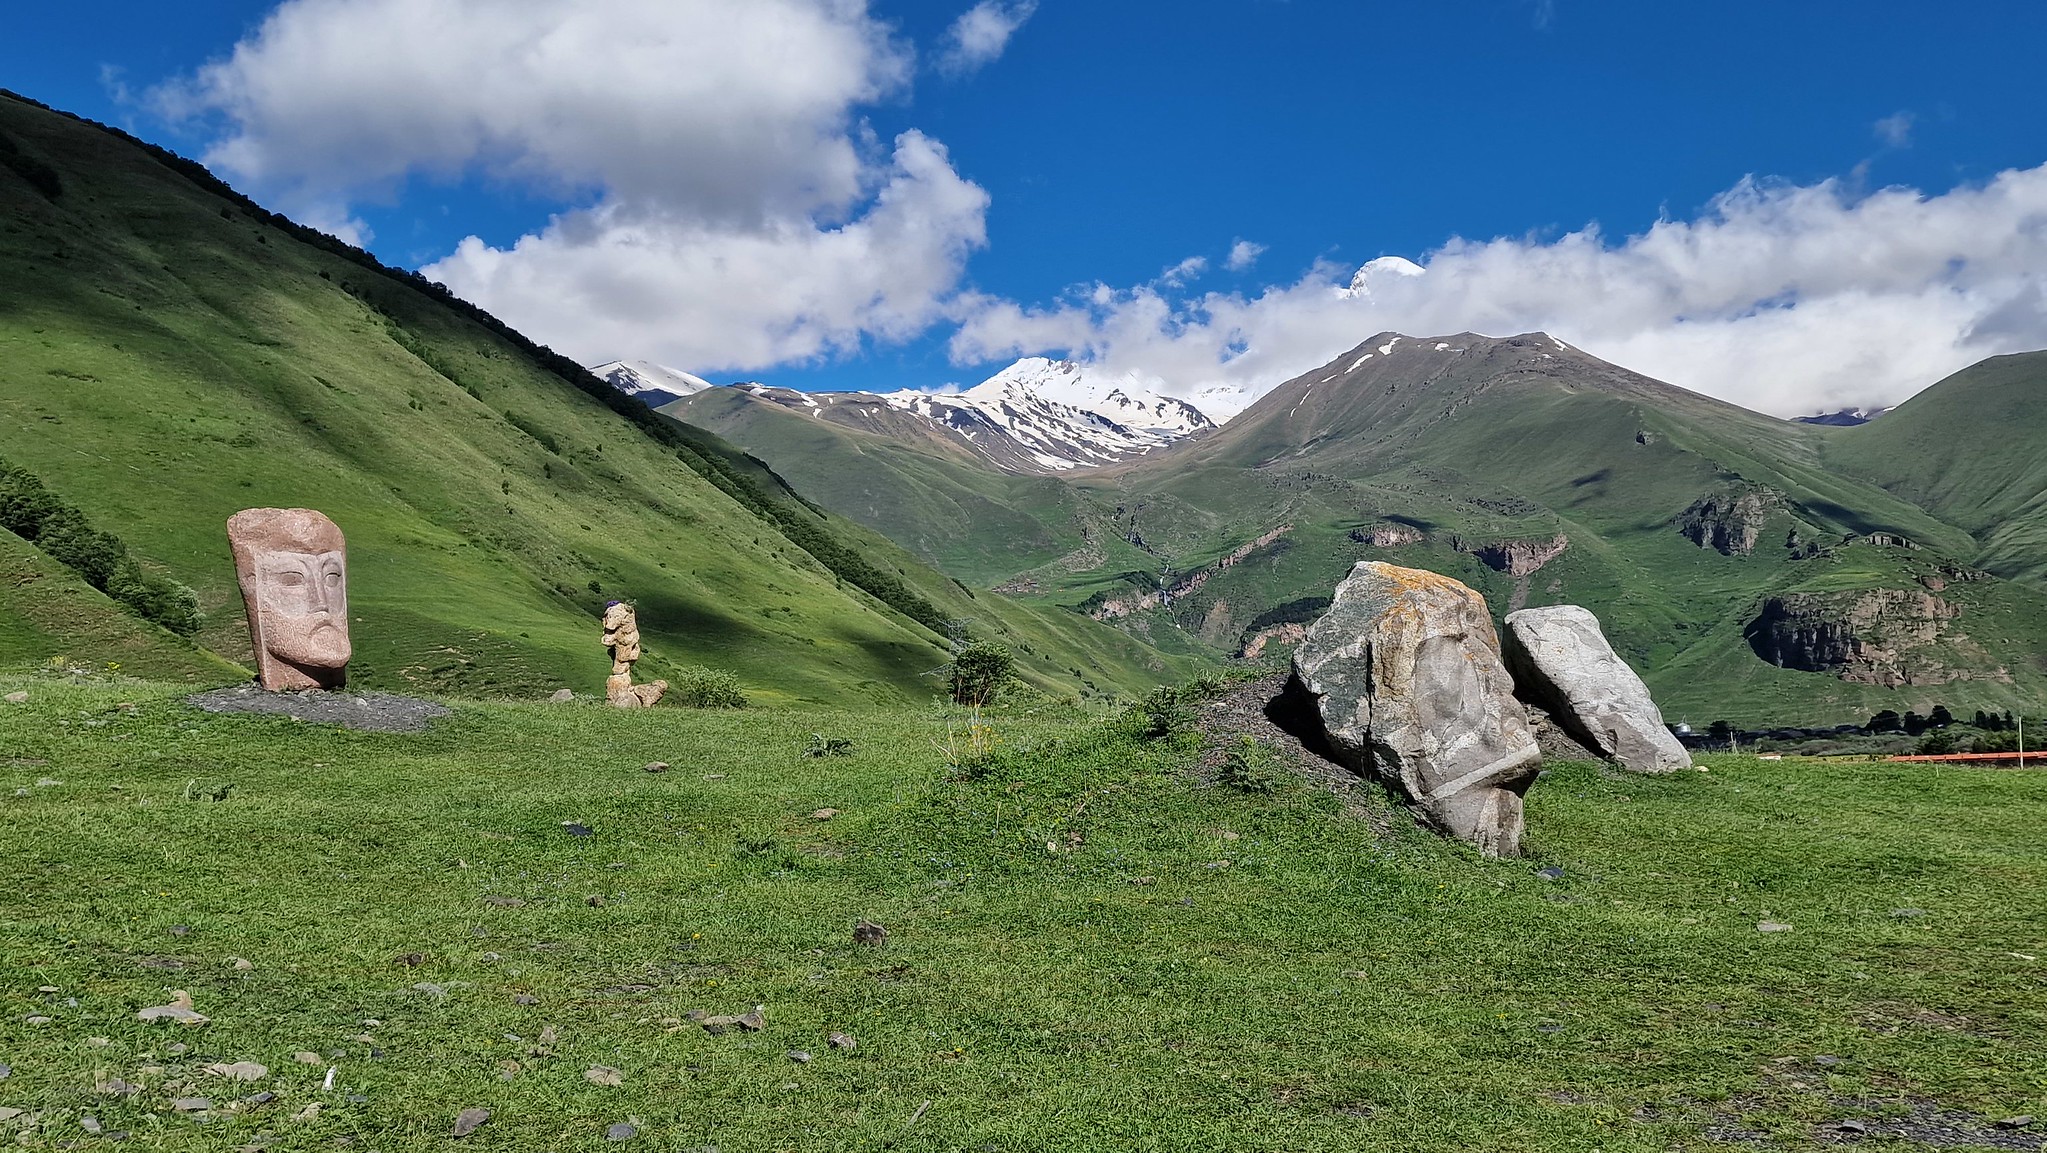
(294, 575)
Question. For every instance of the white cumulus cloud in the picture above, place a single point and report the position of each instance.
(1784, 298)
(978, 37)
(1243, 254)
(714, 148)
(717, 296)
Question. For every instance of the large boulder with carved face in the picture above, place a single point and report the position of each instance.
(1562, 662)
(1405, 672)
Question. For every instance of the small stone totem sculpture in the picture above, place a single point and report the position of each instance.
(622, 637)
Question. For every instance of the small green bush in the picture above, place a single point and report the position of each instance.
(1250, 767)
(824, 746)
(978, 670)
(1164, 713)
(702, 688)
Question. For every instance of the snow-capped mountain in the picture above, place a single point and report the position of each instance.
(657, 384)
(1066, 382)
(1036, 416)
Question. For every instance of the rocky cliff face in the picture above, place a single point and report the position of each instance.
(1887, 637)
(1728, 522)
(1126, 606)
(1517, 557)
(1387, 535)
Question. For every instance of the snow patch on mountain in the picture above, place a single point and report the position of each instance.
(657, 384)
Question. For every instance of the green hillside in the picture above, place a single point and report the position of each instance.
(1969, 450)
(171, 353)
(951, 509)
(1539, 475)
(50, 617)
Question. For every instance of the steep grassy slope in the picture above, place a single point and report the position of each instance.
(170, 354)
(49, 616)
(951, 509)
(1969, 449)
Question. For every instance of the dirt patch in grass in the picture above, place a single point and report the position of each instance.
(370, 712)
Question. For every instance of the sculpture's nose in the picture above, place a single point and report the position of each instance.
(327, 593)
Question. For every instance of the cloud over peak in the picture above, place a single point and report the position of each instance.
(1784, 298)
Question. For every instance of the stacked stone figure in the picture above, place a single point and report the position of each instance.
(622, 638)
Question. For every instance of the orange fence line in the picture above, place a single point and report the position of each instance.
(2040, 758)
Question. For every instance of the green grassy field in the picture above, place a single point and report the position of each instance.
(1091, 943)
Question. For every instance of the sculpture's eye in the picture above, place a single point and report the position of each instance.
(291, 580)
(333, 580)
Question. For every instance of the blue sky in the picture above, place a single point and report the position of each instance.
(912, 194)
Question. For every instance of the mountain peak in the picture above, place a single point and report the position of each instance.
(657, 384)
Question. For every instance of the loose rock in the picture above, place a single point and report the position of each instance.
(467, 1120)
(869, 933)
(17, 698)
(1772, 927)
(562, 696)
(192, 1105)
(239, 1070)
(1405, 673)
(179, 1010)
(657, 766)
(1562, 662)
(603, 1075)
(2019, 1122)
(801, 1057)
(623, 1131)
(842, 1042)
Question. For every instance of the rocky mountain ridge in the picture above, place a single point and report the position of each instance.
(1037, 417)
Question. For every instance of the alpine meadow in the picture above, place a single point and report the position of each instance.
(531, 648)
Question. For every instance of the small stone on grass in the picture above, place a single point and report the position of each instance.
(603, 1075)
(467, 1120)
(622, 1131)
(1772, 927)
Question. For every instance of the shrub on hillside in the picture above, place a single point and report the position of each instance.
(702, 688)
(1164, 712)
(38, 516)
(978, 670)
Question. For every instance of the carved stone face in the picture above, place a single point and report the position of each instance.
(294, 577)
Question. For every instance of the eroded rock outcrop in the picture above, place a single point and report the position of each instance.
(1728, 522)
(1405, 673)
(1517, 557)
(1562, 663)
(1887, 637)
